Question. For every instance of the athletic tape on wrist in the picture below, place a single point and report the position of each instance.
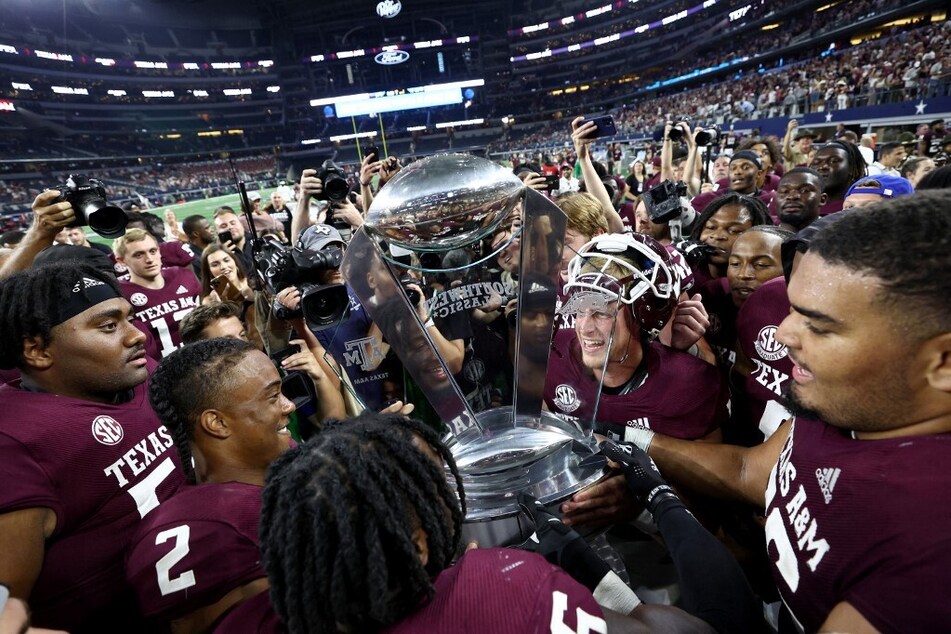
(614, 594)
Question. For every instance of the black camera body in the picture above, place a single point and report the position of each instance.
(411, 293)
(676, 134)
(708, 136)
(334, 179)
(88, 199)
(663, 201)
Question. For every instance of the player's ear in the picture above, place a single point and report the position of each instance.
(213, 423)
(422, 545)
(36, 353)
(937, 356)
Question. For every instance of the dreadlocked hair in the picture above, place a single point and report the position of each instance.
(759, 214)
(337, 520)
(27, 301)
(857, 165)
(182, 387)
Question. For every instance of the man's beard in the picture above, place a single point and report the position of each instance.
(795, 407)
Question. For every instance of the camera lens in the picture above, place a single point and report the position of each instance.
(675, 133)
(325, 306)
(336, 188)
(106, 220)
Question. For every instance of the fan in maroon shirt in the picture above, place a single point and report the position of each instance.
(197, 556)
(82, 455)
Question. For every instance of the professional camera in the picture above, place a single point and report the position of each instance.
(88, 198)
(322, 305)
(663, 201)
(334, 179)
(676, 134)
(708, 136)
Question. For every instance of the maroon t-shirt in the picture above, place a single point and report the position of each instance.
(100, 468)
(756, 326)
(195, 548)
(159, 311)
(672, 393)
(862, 521)
(495, 590)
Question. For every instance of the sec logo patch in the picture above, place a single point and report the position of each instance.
(139, 299)
(566, 399)
(107, 430)
(767, 346)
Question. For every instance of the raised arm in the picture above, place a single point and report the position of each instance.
(49, 218)
(580, 136)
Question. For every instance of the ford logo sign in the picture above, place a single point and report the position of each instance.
(388, 8)
(390, 58)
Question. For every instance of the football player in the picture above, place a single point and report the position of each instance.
(855, 484)
(160, 297)
(622, 289)
(341, 556)
(197, 556)
(83, 457)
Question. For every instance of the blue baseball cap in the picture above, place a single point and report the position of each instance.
(888, 186)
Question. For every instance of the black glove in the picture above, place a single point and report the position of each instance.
(561, 545)
(642, 476)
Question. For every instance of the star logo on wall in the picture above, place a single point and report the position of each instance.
(920, 107)
(828, 117)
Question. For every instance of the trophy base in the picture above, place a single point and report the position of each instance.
(535, 455)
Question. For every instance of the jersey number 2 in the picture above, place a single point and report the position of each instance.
(163, 567)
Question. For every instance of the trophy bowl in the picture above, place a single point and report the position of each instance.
(444, 202)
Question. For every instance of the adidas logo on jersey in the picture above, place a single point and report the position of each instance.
(182, 290)
(827, 479)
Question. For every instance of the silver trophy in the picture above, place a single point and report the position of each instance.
(486, 240)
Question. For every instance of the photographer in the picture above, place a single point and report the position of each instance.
(691, 172)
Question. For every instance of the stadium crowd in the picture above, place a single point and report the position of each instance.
(236, 421)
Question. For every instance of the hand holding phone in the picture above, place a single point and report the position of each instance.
(603, 126)
(225, 236)
(552, 182)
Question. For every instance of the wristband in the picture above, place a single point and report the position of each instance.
(429, 322)
(640, 437)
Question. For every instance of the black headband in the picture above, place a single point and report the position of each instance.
(85, 293)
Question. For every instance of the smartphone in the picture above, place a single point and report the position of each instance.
(604, 126)
(219, 282)
(551, 182)
(298, 388)
(225, 236)
(373, 150)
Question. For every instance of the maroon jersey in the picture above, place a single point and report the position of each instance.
(100, 468)
(195, 548)
(495, 590)
(756, 326)
(862, 521)
(672, 393)
(158, 311)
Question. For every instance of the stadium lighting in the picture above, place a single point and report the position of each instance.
(6, 48)
(416, 128)
(158, 93)
(105, 61)
(309, 141)
(19, 86)
(7, 106)
(68, 90)
(60, 57)
(274, 89)
(142, 64)
(236, 92)
(459, 124)
(200, 93)
(347, 137)
(117, 93)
